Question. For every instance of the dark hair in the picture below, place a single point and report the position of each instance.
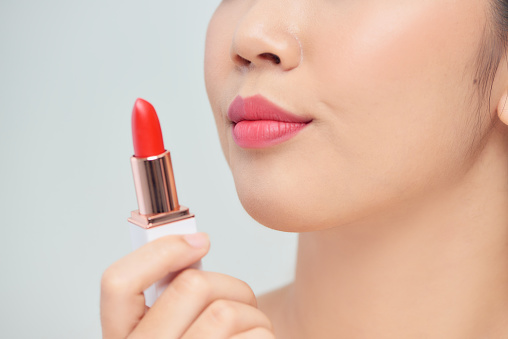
(500, 16)
(492, 49)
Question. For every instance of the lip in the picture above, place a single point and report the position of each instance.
(259, 123)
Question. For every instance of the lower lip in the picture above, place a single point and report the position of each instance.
(264, 133)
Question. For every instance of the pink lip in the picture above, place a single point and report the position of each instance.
(259, 123)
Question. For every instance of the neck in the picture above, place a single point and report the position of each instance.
(436, 268)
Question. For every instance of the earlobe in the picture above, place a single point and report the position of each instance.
(502, 108)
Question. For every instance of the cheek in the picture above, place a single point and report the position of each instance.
(219, 68)
(397, 54)
(397, 89)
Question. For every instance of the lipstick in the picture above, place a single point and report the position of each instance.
(159, 212)
(259, 123)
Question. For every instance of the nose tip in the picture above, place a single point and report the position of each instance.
(258, 43)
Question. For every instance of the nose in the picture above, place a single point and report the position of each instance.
(262, 39)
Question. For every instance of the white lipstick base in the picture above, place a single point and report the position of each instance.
(141, 236)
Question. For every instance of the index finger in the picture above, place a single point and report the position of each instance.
(123, 283)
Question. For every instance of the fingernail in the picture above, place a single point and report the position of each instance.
(196, 240)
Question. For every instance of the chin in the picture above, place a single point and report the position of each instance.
(273, 215)
(288, 210)
(290, 198)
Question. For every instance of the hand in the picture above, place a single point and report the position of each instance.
(196, 304)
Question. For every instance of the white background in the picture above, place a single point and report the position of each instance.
(70, 72)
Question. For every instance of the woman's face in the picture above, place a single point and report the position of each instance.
(390, 89)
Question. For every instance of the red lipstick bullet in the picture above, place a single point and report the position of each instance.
(146, 130)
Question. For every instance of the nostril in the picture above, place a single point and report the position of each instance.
(271, 57)
(241, 61)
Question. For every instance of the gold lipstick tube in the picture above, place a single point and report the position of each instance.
(154, 182)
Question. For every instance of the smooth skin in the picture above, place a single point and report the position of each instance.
(398, 186)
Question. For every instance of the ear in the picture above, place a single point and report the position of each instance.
(502, 108)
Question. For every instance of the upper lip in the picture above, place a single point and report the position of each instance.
(258, 107)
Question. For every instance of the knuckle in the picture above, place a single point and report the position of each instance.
(190, 281)
(222, 312)
(112, 281)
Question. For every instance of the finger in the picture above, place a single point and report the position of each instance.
(123, 283)
(256, 333)
(224, 318)
(186, 297)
